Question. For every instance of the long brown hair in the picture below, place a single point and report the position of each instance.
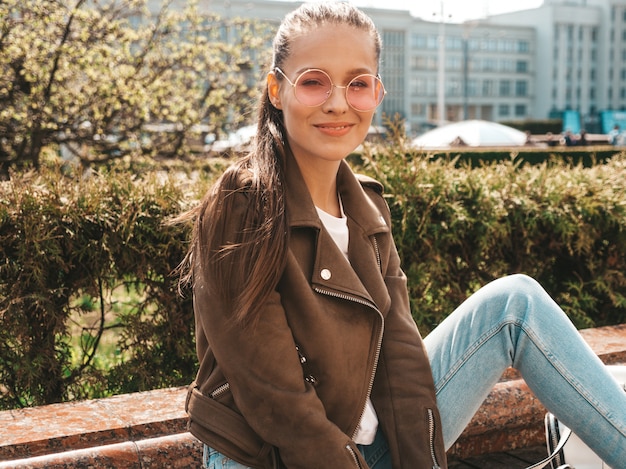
(245, 270)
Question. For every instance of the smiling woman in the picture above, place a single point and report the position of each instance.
(309, 356)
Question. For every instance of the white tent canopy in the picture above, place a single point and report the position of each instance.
(472, 133)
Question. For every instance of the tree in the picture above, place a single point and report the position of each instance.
(89, 77)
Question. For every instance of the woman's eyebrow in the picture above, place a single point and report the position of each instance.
(349, 73)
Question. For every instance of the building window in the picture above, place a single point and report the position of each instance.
(505, 88)
(487, 87)
(472, 87)
(490, 65)
(520, 110)
(431, 87)
(453, 63)
(418, 86)
(507, 65)
(454, 43)
(523, 47)
(503, 110)
(454, 87)
(521, 66)
(418, 41)
(521, 88)
(418, 109)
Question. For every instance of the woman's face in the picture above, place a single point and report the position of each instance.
(329, 131)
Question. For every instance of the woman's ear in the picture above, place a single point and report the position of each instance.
(273, 89)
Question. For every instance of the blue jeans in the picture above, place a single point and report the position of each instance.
(514, 322)
(376, 455)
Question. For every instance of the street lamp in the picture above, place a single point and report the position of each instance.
(441, 70)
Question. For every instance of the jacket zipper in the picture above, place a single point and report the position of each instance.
(377, 251)
(220, 390)
(431, 438)
(371, 305)
(380, 336)
(354, 457)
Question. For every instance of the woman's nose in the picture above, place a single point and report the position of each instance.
(336, 102)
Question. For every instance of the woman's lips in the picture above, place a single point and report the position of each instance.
(335, 129)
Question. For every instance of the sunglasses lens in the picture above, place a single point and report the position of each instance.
(365, 92)
(313, 87)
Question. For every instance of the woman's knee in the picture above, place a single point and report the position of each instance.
(519, 293)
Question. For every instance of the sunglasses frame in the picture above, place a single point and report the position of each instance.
(333, 86)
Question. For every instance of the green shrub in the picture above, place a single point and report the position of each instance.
(71, 245)
(89, 306)
(457, 228)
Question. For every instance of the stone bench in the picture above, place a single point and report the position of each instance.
(148, 429)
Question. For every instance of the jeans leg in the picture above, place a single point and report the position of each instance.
(514, 322)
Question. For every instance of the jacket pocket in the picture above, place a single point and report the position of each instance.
(224, 429)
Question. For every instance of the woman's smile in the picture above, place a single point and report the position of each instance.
(335, 129)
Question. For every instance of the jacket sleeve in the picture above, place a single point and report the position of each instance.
(404, 385)
(262, 367)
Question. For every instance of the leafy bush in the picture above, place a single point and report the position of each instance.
(457, 228)
(69, 244)
(86, 260)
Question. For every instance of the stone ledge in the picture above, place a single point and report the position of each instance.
(171, 451)
(56, 428)
(148, 429)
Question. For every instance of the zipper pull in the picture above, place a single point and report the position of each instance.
(302, 357)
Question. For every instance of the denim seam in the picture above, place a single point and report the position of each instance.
(551, 359)
(574, 383)
(482, 340)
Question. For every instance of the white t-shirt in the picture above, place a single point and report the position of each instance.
(338, 230)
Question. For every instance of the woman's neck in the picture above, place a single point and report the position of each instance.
(321, 181)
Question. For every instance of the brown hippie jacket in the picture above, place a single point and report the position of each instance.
(290, 391)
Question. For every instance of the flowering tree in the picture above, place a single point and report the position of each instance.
(92, 78)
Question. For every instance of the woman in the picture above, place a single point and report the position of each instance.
(309, 357)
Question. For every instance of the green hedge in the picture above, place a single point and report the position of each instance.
(458, 227)
(84, 259)
(584, 155)
(89, 306)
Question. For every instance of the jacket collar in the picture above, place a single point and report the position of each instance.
(357, 205)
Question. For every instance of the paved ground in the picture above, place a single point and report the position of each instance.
(518, 459)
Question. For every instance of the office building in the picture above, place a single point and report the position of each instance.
(565, 58)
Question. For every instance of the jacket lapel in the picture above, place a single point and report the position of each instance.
(330, 270)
